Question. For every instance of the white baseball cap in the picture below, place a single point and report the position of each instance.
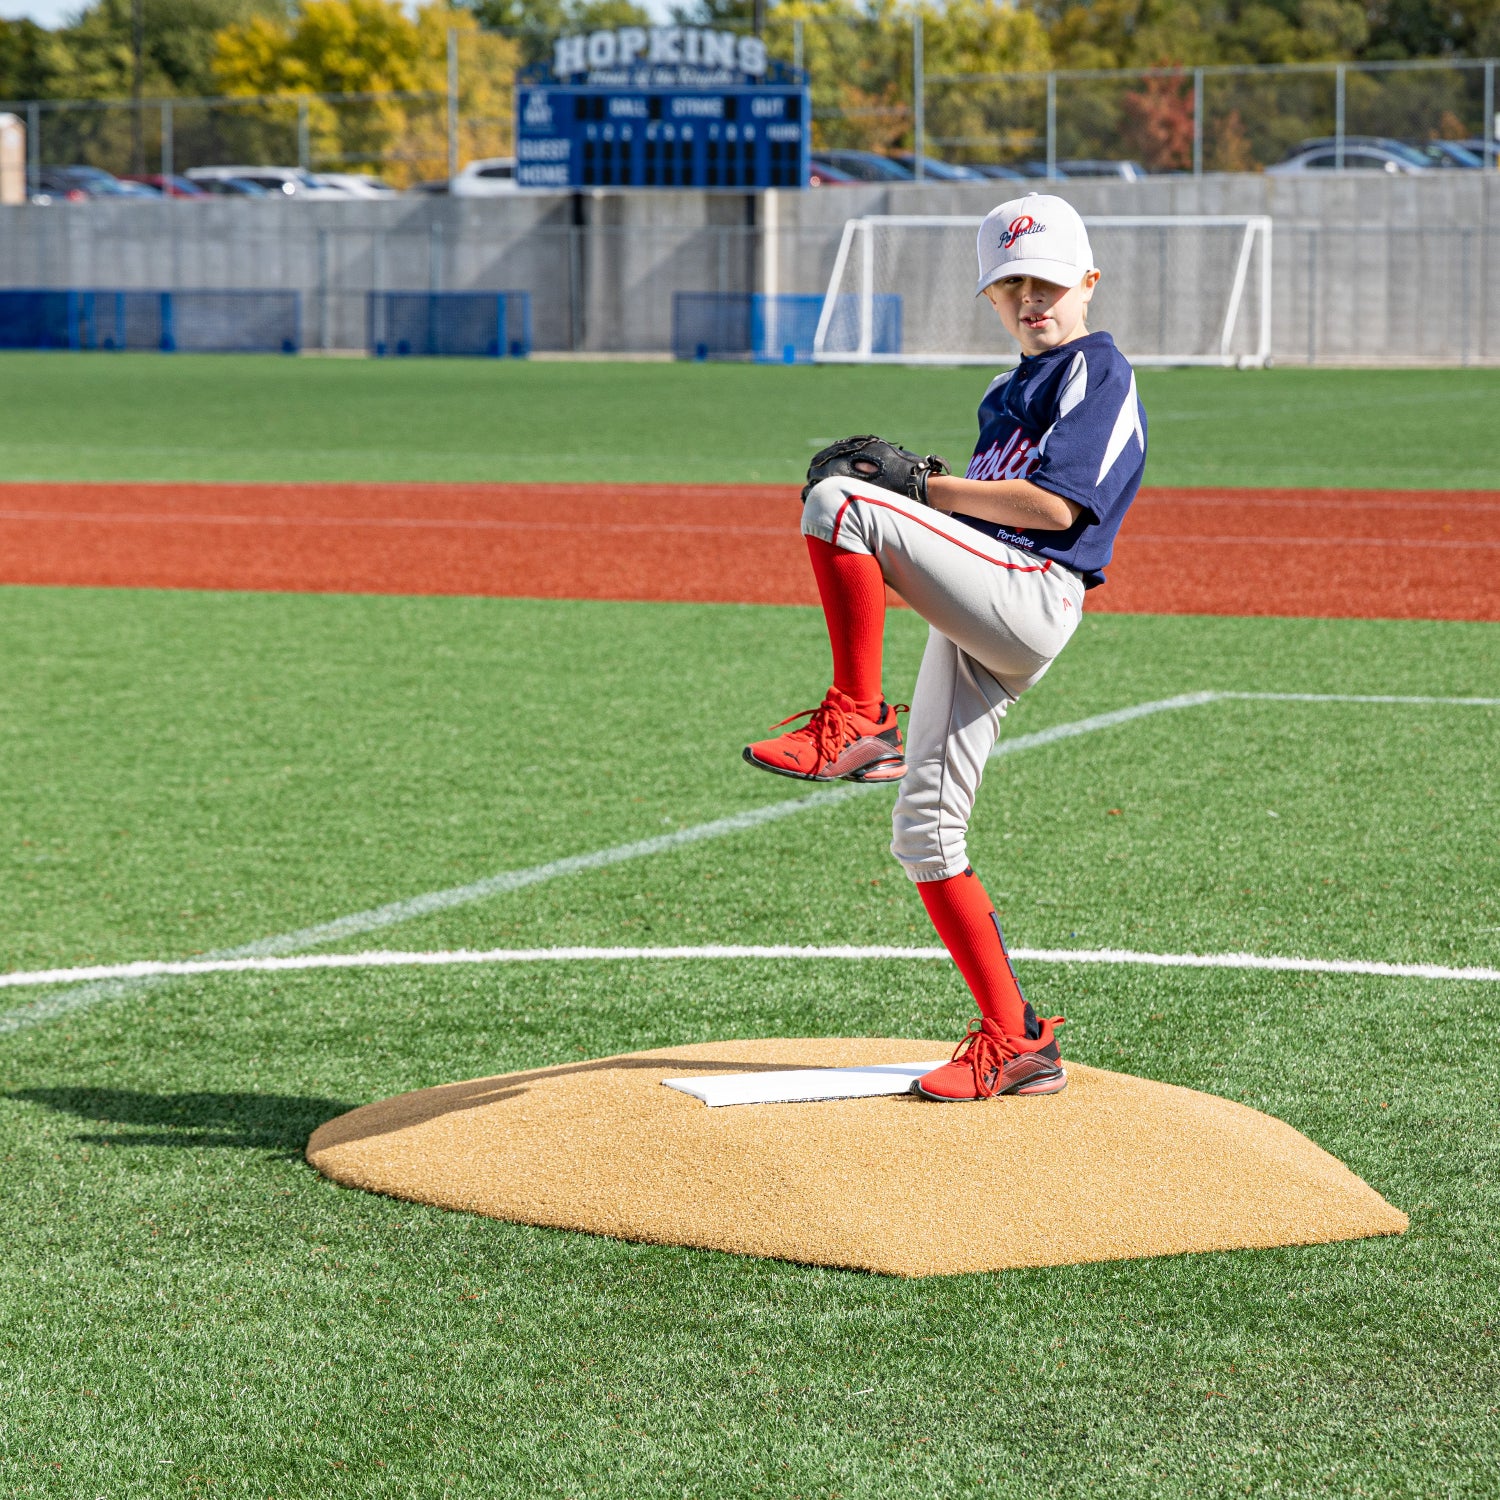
(1037, 235)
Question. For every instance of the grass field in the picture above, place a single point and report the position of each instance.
(264, 418)
(187, 1309)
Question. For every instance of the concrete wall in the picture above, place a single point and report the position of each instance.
(1365, 269)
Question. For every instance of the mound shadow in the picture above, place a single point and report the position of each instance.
(235, 1120)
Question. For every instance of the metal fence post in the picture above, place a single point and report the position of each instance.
(1465, 306)
(918, 90)
(1052, 125)
(34, 146)
(166, 143)
(1489, 115)
(304, 152)
(325, 320)
(1338, 118)
(1197, 122)
(452, 104)
(797, 42)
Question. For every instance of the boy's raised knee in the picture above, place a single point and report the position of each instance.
(820, 511)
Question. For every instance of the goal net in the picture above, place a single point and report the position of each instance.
(1177, 290)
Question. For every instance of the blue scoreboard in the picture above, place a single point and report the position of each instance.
(662, 107)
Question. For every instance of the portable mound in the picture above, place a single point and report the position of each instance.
(1110, 1168)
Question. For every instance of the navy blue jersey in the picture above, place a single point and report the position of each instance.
(1069, 420)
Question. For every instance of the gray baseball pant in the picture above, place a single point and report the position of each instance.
(998, 618)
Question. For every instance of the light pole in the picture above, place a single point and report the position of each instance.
(137, 48)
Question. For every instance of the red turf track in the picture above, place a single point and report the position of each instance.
(1386, 554)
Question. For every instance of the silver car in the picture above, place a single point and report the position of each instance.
(1359, 156)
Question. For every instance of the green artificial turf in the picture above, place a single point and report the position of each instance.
(185, 1308)
(117, 417)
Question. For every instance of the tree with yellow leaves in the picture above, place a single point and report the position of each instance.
(376, 48)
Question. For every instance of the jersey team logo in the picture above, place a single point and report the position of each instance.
(1015, 459)
(1017, 227)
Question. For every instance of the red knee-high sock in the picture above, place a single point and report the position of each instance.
(853, 594)
(970, 930)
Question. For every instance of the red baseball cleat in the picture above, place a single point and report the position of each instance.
(836, 743)
(987, 1063)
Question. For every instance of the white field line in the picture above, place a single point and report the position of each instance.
(386, 959)
(91, 993)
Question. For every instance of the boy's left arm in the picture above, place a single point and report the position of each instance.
(1016, 503)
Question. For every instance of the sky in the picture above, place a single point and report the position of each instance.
(51, 13)
(47, 13)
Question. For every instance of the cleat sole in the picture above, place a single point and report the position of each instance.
(880, 771)
(761, 765)
(1053, 1085)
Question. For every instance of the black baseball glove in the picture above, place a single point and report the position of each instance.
(881, 463)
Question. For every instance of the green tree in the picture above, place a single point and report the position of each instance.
(535, 23)
(92, 58)
(25, 70)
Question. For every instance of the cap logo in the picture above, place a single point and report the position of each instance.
(1017, 227)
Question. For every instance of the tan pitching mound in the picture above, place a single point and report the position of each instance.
(1110, 1168)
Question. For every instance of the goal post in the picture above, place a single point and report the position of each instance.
(1177, 289)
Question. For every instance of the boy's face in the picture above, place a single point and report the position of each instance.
(1038, 315)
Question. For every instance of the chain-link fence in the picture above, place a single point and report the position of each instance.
(1219, 119)
(872, 88)
(401, 135)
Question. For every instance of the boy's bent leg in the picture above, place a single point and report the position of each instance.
(1007, 609)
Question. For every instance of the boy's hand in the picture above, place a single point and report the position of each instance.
(880, 463)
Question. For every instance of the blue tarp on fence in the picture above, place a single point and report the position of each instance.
(492, 325)
(776, 329)
(204, 322)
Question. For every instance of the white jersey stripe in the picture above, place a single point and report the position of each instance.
(1128, 422)
(1073, 392)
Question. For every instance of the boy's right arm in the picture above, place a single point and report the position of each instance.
(1016, 503)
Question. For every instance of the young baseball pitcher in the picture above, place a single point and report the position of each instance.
(998, 564)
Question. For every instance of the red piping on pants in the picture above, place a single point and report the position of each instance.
(1043, 567)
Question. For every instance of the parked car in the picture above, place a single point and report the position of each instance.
(1478, 147)
(1039, 169)
(433, 187)
(866, 166)
(289, 182)
(1361, 154)
(72, 184)
(997, 172)
(1126, 171)
(171, 186)
(488, 177)
(231, 187)
(822, 173)
(1434, 155)
(1451, 154)
(358, 184)
(937, 171)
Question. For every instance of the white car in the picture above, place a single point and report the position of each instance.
(289, 182)
(486, 178)
(358, 185)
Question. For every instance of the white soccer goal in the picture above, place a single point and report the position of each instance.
(1183, 289)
